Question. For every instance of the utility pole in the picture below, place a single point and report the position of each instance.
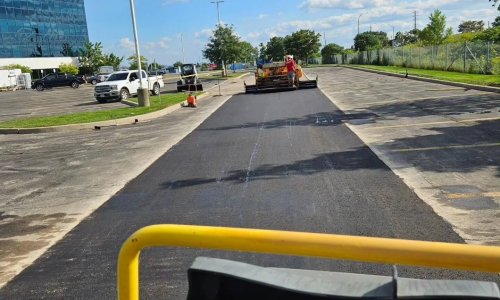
(218, 22)
(324, 36)
(142, 93)
(358, 21)
(370, 27)
(415, 21)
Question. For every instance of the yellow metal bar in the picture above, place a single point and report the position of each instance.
(369, 249)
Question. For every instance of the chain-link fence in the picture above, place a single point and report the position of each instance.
(468, 57)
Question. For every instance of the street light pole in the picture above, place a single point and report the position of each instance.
(142, 94)
(219, 25)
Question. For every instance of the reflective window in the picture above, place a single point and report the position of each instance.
(42, 28)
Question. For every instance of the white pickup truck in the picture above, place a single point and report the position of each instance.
(121, 85)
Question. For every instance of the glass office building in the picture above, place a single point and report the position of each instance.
(42, 28)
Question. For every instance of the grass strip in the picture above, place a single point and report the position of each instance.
(479, 79)
(156, 103)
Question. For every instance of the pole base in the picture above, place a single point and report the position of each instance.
(143, 97)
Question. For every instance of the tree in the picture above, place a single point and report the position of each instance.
(24, 69)
(302, 44)
(495, 3)
(262, 51)
(68, 69)
(68, 51)
(223, 45)
(371, 40)
(133, 62)
(461, 38)
(91, 56)
(406, 38)
(329, 51)
(435, 32)
(489, 35)
(178, 64)
(496, 23)
(112, 60)
(155, 66)
(471, 26)
(247, 52)
(275, 48)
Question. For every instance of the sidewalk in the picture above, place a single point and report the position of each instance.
(51, 181)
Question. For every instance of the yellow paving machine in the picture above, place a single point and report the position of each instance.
(274, 77)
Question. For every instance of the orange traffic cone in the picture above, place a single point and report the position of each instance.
(191, 100)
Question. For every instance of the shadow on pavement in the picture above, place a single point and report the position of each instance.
(452, 149)
(89, 103)
(445, 106)
(361, 158)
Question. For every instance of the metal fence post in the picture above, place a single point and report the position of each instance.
(488, 58)
(465, 55)
(446, 59)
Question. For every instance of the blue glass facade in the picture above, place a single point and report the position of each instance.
(42, 28)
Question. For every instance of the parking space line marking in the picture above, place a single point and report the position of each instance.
(447, 147)
(472, 195)
(432, 123)
(423, 99)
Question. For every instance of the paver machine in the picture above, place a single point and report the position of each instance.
(189, 80)
(274, 77)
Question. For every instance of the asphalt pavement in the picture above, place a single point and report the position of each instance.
(275, 161)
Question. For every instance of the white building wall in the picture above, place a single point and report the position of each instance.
(38, 63)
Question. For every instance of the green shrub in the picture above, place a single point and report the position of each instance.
(24, 69)
(495, 64)
(68, 69)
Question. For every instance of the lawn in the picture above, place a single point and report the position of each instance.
(95, 116)
(479, 79)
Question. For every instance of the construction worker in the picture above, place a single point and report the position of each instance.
(290, 67)
(191, 100)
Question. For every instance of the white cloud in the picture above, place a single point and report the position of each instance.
(161, 44)
(126, 43)
(253, 35)
(263, 16)
(204, 33)
(351, 4)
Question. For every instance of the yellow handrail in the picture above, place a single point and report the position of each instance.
(369, 249)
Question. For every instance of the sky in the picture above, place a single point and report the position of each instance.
(177, 30)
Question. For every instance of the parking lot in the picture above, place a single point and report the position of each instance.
(444, 141)
(63, 100)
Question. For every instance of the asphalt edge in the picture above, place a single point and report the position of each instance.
(431, 80)
(114, 122)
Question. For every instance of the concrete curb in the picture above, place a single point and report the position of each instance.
(99, 124)
(452, 83)
(114, 122)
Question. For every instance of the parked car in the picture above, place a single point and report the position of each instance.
(120, 85)
(56, 80)
(95, 79)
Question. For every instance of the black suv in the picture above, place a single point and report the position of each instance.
(55, 80)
